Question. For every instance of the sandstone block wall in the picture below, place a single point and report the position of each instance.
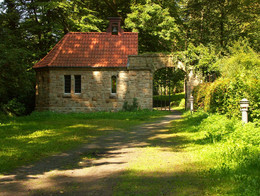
(42, 88)
(154, 62)
(150, 62)
(95, 89)
(135, 81)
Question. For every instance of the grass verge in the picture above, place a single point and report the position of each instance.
(200, 154)
(24, 140)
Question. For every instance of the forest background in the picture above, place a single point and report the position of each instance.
(209, 36)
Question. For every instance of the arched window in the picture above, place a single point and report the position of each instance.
(113, 84)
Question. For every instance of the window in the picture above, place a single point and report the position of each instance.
(113, 84)
(67, 84)
(77, 83)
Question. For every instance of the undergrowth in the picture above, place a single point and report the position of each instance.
(233, 149)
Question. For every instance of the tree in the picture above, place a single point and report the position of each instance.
(221, 22)
(157, 29)
(199, 30)
(15, 79)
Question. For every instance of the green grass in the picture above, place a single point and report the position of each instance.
(198, 155)
(24, 140)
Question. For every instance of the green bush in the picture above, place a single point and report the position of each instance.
(240, 79)
(216, 127)
(224, 95)
(199, 94)
(14, 107)
(216, 96)
(133, 107)
(253, 88)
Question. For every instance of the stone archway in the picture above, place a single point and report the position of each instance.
(153, 62)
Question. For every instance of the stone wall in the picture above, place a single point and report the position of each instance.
(95, 89)
(150, 62)
(42, 88)
(154, 62)
(135, 81)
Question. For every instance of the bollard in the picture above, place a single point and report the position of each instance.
(191, 104)
(244, 104)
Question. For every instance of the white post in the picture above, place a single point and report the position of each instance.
(244, 104)
(191, 103)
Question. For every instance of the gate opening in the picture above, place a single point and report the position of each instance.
(168, 88)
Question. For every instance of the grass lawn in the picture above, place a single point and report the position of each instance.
(24, 140)
(182, 160)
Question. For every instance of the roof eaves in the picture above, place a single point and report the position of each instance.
(40, 66)
(59, 49)
(75, 66)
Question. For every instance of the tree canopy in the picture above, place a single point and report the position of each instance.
(199, 29)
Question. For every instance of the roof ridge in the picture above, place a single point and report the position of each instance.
(84, 32)
(63, 40)
(97, 32)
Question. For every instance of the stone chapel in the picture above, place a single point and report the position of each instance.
(91, 72)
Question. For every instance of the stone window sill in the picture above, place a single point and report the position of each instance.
(113, 96)
(69, 95)
(66, 95)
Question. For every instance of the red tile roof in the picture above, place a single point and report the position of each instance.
(91, 50)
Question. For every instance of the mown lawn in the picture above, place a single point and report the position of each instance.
(198, 155)
(24, 140)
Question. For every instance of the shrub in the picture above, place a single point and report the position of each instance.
(199, 94)
(216, 96)
(217, 127)
(133, 107)
(14, 107)
(240, 79)
(224, 95)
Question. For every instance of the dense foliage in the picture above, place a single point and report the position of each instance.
(240, 78)
(198, 30)
(236, 145)
(157, 29)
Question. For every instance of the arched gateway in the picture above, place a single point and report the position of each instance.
(154, 62)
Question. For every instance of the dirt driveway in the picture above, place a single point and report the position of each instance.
(92, 169)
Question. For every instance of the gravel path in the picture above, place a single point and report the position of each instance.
(92, 169)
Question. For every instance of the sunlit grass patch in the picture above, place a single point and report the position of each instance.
(24, 140)
(200, 154)
(160, 171)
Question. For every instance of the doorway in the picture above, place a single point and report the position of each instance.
(168, 88)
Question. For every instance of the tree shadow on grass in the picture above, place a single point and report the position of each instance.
(163, 183)
(150, 184)
(96, 152)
